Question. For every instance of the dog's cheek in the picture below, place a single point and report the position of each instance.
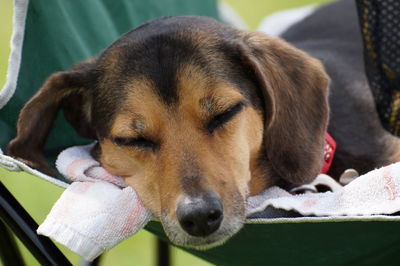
(138, 172)
(156, 185)
(259, 172)
(254, 130)
(228, 168)
(248, 141)
(147, 191)
(118, 160)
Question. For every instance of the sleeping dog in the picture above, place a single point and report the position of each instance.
(196, 115)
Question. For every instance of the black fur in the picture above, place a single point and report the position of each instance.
(332, 34)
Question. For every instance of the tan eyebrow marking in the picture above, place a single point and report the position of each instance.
(139, 125)
(214, 104)
(208, 104)
(128, 123)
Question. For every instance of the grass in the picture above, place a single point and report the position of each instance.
(38, 196)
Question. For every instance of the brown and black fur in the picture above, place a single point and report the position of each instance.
(191, 113)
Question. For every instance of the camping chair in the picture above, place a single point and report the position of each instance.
(76, 36)
(56, 35)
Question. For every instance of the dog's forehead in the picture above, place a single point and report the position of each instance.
(196, 92)
(161, 52)
(158, 51)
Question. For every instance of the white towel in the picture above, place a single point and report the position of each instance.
(377, 192)
(97, 210)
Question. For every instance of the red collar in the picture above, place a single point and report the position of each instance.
(329, 153)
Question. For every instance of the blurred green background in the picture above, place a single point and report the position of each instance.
(38, 196)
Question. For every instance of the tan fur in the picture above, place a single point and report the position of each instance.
(223, 158)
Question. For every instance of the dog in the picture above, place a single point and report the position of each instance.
(196, 115)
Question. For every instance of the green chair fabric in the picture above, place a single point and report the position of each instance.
(59, 33)
(306, 243)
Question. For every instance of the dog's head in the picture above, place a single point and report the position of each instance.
(193, 114)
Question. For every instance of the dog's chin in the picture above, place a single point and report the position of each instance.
(229, 227)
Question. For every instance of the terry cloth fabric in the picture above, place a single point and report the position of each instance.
(97, 210)
(375, 193)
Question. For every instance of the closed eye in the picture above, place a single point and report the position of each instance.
(141, 143)
(222, 118)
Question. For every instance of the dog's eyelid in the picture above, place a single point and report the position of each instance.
(139, 142)
(229, 108)
(213, 105)
(223, 117)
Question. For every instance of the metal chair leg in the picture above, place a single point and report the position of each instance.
(163, 253)
(24, 227)
(9, 251)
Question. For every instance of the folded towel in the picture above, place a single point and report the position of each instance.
(377, 192)
(98, 210)
(95, 212)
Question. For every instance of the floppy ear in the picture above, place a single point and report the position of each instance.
(295, 90)
(68, 90)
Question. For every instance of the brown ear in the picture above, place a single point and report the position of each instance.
(295, 90)
(68, 90)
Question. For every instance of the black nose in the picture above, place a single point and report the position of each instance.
(200, 216)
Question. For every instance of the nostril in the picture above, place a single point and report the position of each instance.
(214, 215)
(188, 225)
